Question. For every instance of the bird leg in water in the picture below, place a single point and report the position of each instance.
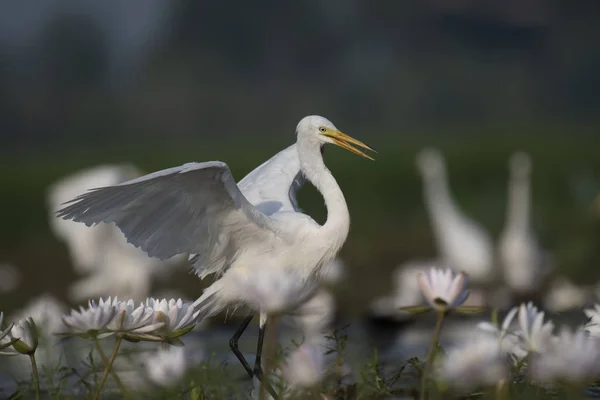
(233, 343)
(259, 346)
(258, 370)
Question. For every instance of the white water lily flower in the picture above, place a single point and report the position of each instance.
(110, 301)
(593, 326)
(6, 340)
(509, 342)
(165, 368)
(26, 333)
(443, 289)
(473, 364)
(574, 357)
(501, 331)
(535, 334)
(272, 290)
(46, 312)
(178, 318)
(305, 366)
(92, 321)
(133, 320)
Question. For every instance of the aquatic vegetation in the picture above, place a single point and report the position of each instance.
(305, 366)
(536, 334)
(172, 319)
(519, 357)
(165, 368)
(22, 338)
(474, 364)
(573, 357)
(443, 289)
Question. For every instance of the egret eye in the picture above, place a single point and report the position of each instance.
(322, 129)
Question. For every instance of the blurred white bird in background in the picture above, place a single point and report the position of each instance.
(199, 209)
(112, 266)
(405, 291)
(462, 243)
(563, 295)
(524, 264)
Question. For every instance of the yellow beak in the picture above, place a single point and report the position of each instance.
(346, 142)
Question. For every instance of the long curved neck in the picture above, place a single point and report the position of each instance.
(335, 229)
(517, 217)
(438, 199)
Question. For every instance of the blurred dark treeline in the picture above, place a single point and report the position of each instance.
(90, 70)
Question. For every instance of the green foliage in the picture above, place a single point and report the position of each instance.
(374, 380)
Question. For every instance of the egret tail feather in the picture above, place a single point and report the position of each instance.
(208, 304)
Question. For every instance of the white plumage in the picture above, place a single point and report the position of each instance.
(335, 272)
(462, 243)
(198, 209)
(111, 266)
(272, 187)
(82, 242)
(520, 256)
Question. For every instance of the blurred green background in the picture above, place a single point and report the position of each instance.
(163, 83)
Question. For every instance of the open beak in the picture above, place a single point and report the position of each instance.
(346, 142)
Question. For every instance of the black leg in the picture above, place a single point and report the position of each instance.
(259, 347)
(233, 343)
(258, 362)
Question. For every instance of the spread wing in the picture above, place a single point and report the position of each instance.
(85, 244)
(196, 208)
(272, 186)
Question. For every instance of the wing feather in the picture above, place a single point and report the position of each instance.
(186, 209)
(272, 186)
(85, 245)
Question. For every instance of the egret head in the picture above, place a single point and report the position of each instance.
(321, 131)
(431, 162)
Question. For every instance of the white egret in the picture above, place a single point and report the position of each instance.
(82, 242)
(111, 265)
(521, 258)
(335, 272)
(198, 209)
(461, 241)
